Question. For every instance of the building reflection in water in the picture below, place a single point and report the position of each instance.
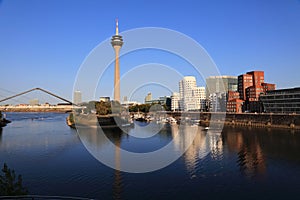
(0, 135)
(206, 143)
(250, 157)
(205, 147)
(209, 144)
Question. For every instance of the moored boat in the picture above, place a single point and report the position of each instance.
(3, 121)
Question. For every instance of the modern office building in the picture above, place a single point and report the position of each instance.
(175, 98)
(221, 84)
(234, 103)
(200, 96)
(191, 96)
(125, 99)
(77, 97)
(148, 98)
(34, 102)
(244, 81)
(217, 88)
(281, 101)
(217, 102)
(268, 86)
(165, 100)
(250, 86)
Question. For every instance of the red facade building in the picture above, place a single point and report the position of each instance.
(250, 86)
(244, 81)
(268, 87)
(235, 105)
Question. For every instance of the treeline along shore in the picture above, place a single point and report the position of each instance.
(269, 120)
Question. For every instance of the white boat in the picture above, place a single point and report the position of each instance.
(171, 120)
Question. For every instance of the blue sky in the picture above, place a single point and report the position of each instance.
(43, 43)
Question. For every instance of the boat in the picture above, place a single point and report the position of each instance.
(3, 121)
(171, 120)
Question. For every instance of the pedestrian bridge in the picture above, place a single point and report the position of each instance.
(40, 89)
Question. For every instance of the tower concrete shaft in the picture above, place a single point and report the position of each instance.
(117, 42)
(117, 75)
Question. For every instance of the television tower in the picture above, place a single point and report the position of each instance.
(117, 42)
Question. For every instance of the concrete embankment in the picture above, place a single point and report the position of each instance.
(269, 120)
(62, 110)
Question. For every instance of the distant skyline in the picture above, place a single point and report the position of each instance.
(43, 43)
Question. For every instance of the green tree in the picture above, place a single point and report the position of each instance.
(103, 108)
(141, 108)
(10, 184)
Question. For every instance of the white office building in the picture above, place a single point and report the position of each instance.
(191, 96)
(77, 97)
(175, 98)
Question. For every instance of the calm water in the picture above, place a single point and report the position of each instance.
(237, 163)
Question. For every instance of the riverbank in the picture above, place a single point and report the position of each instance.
(54, 110)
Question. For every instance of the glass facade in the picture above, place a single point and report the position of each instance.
(282, 101)
(221, 84)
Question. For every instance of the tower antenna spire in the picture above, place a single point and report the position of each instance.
(117, 27)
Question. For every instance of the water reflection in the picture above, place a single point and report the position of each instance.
(250, 157)
(209, 153)
(206, 143)
(117, 186)
(32, 144)
(199, 146)
(96, 139)
(214, 163)
(0, 136)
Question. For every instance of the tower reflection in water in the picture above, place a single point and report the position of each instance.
(117, 188)
(96, 139)
(206, 147)
(0, 135)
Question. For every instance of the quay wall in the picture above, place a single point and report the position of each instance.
(271, 120)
